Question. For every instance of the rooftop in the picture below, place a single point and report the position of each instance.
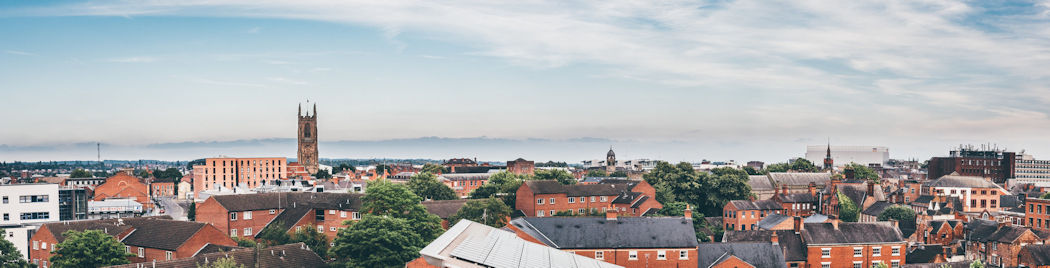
(471, 244)
(597, 232)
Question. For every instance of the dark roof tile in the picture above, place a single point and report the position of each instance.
(756, 254)
(597, 232)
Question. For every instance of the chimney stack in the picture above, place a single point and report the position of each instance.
(784, 189)
(835, 223)
(688, 212)
(774, 239)
(611, 214)
(798, 224)
(871, 188)
(812, 189)
(896, 224)
(850, 173)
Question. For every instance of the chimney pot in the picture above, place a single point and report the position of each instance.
(688, 212)
(774, 239)
(611, 214)
(871, 188)
(798, 224)
(835, 224)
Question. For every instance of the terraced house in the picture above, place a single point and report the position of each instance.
(999, 244)
(745, 215)
(246, 215)
(547, 198)
(147, 238)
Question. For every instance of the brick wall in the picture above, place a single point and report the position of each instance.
(1037, 214)
(843, 256)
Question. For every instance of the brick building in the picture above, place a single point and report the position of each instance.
(543, 198)
(990, 164)
(246, 215)
(232, 172)
(290, 255)
(848, 244)
(464, 183)
(745, 215)
(162, 189)
(124, 185)
(789, 241)
(628, 242)
(736, 255)
(1035, 256)
(976, 193)
(940, 232)
(999, 244)
(147, 238)
(521, 166)
(456, 165)
(799, 204)
(1037, 214)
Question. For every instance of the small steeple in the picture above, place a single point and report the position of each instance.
(828, 162)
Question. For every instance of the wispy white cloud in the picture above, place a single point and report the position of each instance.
(133, 60)
(285, 80)
(18, 52)
(255, 30)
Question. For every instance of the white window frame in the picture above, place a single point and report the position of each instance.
(895, 264)
(895, 251)
(233, 216)
(592, 198)
(552, 200)
(661, 254)
(273, 211)
(167, 255)
(43, 245)
(320, 228)
(36, 245)
(858, 252)
(572, 200)
(599, 255)
(874, 263)
(331, 212)
(342, 214)
(539, 213)
(603, 198)
(825, 253)
(142, 252)
(553, 212)
(355, 215)
(632, 255)
(233, 232)
(127, 249)
(858, 264)
(683, 255)
(247, 215)
(539, 201)
(332, 228)
(825, 265)
(876, 251)
(247, 231)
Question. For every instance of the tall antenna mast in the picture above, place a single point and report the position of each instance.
(98, 149)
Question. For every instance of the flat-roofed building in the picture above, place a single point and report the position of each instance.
(232, 172)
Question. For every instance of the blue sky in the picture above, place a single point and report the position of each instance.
(679, 80)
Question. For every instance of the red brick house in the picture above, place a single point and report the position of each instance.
(162, 189)
(125, 186)
(798, 204)
(628, 242)
(544, 198)
(999, 244)
(290, 255)
(464, 183)
(741, 255)
(1035, 256)
(246, 215)
(745, 215)
(1037, 213)
(148, 238)
(521, 166)
(940, 232)
(848, 244)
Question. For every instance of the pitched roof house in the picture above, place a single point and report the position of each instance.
(542, 198)
(148, 238)
(290, 255)
(246, 215)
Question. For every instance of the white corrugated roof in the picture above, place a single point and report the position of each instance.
(468, 244)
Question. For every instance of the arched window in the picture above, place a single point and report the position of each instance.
(306, 131)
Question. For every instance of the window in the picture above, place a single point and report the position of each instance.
(43, 245)
(875, 264)
(297, 228)
(320, 228)
(592, 199)
(599, 255)
(36, 215)
(632, 255)
(825, 265)
(233, 216)
(552, 212)
(876, 251)
(332, 228)
(858, 252)
(167, 255)
(233, 232)
(539, 201)
(331, 212)
(572, 200)
(248, 231)
(247, 215)
(661, 255)
(683, 255)
(552, 200)
(895, 264)
(5, 200)
(342, 214)
(7, 217)
(580, 211)
(858, 264)
(36, 245)
(825, 253)
(355, 215)
(32, 199)
(539, 213)
(141, 252)
(604, 198)
(127, 249)
(583, 199)
(896, 251)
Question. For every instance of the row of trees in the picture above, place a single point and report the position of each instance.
(603, 173)
(707, 193)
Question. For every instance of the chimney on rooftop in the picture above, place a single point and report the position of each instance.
(896, 224)
(812, 189)
(850, 173)
(688, 212)
(835, 224)
(798, 224)
(611, 214)
(871, 188)
(774, 239)
(784, 189)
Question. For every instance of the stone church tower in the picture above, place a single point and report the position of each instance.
(610, 161)
(308, 139)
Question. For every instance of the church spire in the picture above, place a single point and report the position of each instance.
(828, 162)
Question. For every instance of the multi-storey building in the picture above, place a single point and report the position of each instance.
(464, 183)
(745, 214)
(246, 215)
(23, 207)
(1029, 169)
(1037, 214)
(999, 244)
(233, 172)
(628, 242)
(976, 193)
(993, 164)
(521, 166)
(124, 185)
(147, 238)
(735, 255)
(940, 232)
(847, 244)
(804, 204)
(1035, 256)
(543, 198)
(288, 255)
(72, 203)
(162, 189)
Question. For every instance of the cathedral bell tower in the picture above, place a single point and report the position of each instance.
(307, 156)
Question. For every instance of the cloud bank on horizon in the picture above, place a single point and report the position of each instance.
(918, 75)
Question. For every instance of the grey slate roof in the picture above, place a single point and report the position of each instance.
(444, 208)
(597, 232)
(326, 200)
(1007, 234)
(800, 178)
(979, 230)
(756, 205)
(877, 208)
(924, 254)
(287, 218)
(290, 255)
(790, 243)
(960, 181)
(964, 264)
(760, 183)
(756, 254)
(769, 221)
(1009, 201)
(161, 234)
(797, 198)
(1036, 254)
(851, 232)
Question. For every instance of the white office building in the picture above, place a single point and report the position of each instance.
(23, 208)
(842, 155)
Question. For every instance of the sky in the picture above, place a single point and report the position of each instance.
(544, 80)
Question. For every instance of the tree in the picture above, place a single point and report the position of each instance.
(554, 174)
(427, 186)
(503, 185)
(322, 174)
(618, 174)
(976, 264)
(905, 216)
(9, 255)
(143, 173)
(848, 211)
(244, 242)
(1045, 196)
(803, 165)
(381, 169)
(707, 192)
(191, 214)
(433, 168)
(167, 174)
(80, 173)
(317, 241)
(597, 173)
(863, 172)
(91, 248)
(751, 171)
(227, 262)
(384, 198)
(271, 235)
(721, 186)
(489, 211)
(378, 241)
